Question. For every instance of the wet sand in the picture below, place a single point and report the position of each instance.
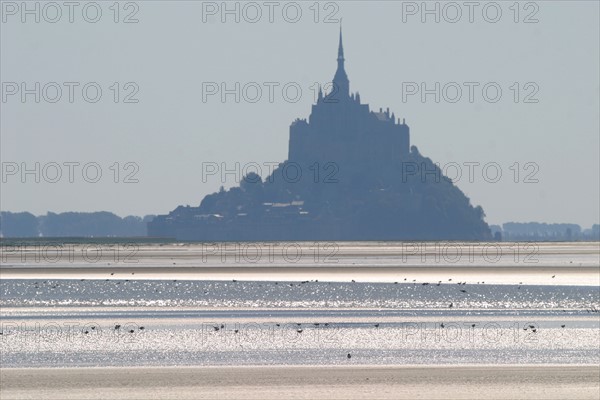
(464, 382)
(539, 275)
(493, 263)
(176, 291)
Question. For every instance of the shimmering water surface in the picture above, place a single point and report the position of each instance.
(124, 320)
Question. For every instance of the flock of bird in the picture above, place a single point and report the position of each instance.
(414, 281)
(299, 328)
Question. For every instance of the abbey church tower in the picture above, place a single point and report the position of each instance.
(340, 129)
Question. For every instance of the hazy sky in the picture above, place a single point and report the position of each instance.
(546, 119)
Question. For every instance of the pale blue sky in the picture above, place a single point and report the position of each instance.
(170, 52)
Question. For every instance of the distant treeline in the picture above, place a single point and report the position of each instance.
(72, 224)
(106, 224)
(536, 231)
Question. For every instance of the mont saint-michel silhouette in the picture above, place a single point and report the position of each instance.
(350, 175)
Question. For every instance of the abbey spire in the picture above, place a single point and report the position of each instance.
(341, 84)
(341, 50)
